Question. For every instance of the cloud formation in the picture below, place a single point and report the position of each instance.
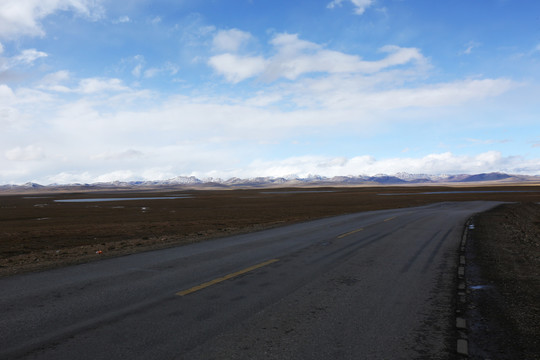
(23, 17)
(58, 82)
(122, 19)
(209, 134)
(236, 68)
(28, 153)
(230, 40)
(445, 163)
(25, 58)
(360, 6)
(470, 46)
(183, 96)
(295, 57)
(435, 164)
(122, 155)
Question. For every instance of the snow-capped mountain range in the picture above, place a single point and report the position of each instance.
(293, 180)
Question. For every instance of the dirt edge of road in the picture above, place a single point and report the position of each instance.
(503, 283)
(51, 259)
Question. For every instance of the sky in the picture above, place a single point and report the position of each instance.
(104, 90)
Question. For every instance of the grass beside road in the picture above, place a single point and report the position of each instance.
(506, 246)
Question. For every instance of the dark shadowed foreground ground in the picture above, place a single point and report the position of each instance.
(505, 283)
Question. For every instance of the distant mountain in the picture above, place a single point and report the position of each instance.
(292, 180)
(486, 177)
(32, 185)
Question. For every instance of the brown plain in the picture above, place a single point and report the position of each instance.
(38, 233)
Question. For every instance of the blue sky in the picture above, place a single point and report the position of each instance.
(101, 90)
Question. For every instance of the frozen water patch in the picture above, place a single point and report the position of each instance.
(121, 199)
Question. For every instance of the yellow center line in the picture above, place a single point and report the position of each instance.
(349, 233)
(226, 277)
(392, 218)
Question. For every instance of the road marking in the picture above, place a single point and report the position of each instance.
(349, 233)
(226, 277)
(392, 218)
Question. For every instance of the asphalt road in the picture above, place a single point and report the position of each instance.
(373, 285)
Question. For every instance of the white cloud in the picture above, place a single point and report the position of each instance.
(295, 57)
(435, 164)
(443, 94)
(138, 66)
(185, 135)
(236, 68)
(56, 81)
(56, 77)
(6, 93)
(137, 70)
(122, 19)
(487, 141)
(28, 153)
(62, 82)
(470, 46)
(16, 112)
(230, 40)
(170, 68)
(29, 56)
(118, 175)
(150, 73)
(70, 178)
(397, 56)
(100, 127)
(22, 17)
(360, 93)
(79, 129)
(100, 85)
(291, 61)
(194, 31)
(122, 155)
(138, 62)
(26, 57)
(360, 6)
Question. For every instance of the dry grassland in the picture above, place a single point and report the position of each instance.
(36, 232)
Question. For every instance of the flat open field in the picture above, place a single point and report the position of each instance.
(38, 230)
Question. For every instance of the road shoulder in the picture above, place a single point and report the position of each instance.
(503, 283)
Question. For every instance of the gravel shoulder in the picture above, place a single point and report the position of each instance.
(504, 283)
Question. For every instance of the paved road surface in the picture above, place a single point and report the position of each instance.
(373, 285)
